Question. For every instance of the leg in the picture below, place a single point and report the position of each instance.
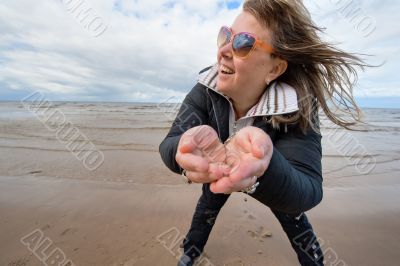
(301, 237)
(204, 217)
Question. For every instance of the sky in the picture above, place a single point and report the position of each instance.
(151, 51)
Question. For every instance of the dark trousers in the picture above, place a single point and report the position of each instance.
(296, 227)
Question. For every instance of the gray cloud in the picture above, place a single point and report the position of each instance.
(152, 50)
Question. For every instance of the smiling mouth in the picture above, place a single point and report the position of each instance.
(226, 70)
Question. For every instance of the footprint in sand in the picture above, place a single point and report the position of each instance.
(251, 217)
(19, 262)
(260, 234)
(68, 231)
(65, 231)
(36, 172)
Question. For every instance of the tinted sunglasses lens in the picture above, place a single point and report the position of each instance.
(242, 44)
(223, 37)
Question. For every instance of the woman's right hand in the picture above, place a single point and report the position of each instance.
(202, 155)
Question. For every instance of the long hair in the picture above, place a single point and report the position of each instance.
(323, 75)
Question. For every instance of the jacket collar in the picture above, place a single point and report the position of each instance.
(279, 98)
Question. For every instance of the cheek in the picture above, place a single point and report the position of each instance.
(243, 69)
(263, 69)
(252, 71)
(253, 77)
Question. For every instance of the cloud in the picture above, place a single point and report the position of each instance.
(368, 28)
(150, 50)
(153, 50)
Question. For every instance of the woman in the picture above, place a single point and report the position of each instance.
(251, 122)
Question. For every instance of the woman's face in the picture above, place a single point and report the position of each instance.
(248, 81)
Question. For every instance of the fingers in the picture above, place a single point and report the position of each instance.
(223, 185)
(202, 178)
(203, 139)
(219, 170)
(214, 173)
(192, 162)
(187, 145)
(201, 154)
(243, 170)
(189, 155)
(255, 141)
(248, 166)
(241, 142)
(260, 142)
(226, 186)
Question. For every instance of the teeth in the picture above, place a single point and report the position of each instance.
(226, 69)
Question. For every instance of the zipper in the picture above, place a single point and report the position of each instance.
(234, 131)
(234, 127)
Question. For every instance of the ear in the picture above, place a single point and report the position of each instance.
(279, 67)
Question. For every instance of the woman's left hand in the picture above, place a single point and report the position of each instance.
(248, 154)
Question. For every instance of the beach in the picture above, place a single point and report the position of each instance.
(118, 204)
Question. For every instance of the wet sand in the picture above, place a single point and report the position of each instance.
(132, 209)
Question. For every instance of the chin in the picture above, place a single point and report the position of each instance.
(223, 88)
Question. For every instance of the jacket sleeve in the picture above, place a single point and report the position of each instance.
(293, 181)
(192, 113)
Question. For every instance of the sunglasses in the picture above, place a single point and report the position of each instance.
(243, 43)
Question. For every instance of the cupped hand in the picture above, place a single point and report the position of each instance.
(248, 154)
(202, 155)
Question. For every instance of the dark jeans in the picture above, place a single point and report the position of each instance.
(296, 227)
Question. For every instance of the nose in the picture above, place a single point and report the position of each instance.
(225, 51)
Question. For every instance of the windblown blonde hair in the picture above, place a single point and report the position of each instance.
(323, 75)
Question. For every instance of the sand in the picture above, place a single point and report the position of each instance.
(132, 210)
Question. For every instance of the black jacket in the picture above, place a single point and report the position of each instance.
(293, 181)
